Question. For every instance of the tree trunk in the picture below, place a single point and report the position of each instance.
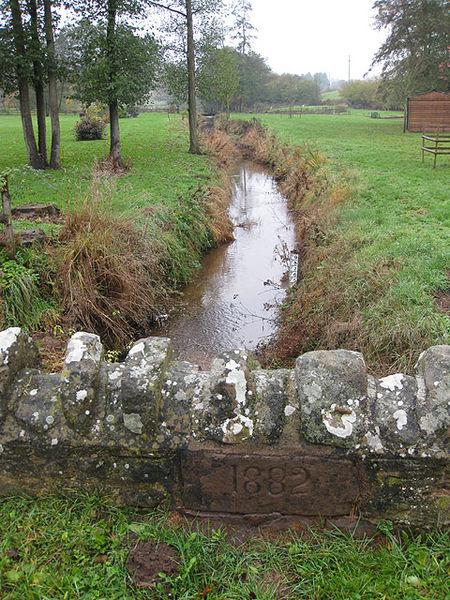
(6, 209)
(115, 155)
(40, 115)
(194, 145)
(38, 80)
(27, 124)
(55, 161)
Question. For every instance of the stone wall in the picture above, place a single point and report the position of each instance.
(324, 440)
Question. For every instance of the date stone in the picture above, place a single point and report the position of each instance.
(291, 484)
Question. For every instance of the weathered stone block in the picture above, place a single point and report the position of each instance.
(17, 352)
(80, 380)
(37, 402)
(181, 404)
(141, 381)
(272, 406)
(228, 400)
(394, 427)
(332, 393)
(291, 483)
(433, 405)
(408, 490)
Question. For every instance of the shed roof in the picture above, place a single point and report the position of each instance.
(433, 93)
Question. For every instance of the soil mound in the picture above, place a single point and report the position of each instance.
(149, 559)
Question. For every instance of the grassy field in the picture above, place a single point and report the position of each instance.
(334, 95)
(386, 262)
(61, 549)
(162, 170)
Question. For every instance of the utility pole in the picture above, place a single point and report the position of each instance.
(349, 62)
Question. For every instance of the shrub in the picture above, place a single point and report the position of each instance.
(89, 128)
(23, 304)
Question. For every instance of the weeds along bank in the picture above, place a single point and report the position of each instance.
(123, 243)
(373, 231)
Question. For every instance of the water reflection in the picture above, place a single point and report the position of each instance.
(232, 303)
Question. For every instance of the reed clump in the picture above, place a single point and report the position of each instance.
(223, 151)
(110, 275)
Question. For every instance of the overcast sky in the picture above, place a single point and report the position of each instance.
(297, 36)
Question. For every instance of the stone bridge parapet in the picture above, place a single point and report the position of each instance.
(323, 440)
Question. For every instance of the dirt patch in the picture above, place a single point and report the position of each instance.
(442, 301)
(53, 350)
(149, 559)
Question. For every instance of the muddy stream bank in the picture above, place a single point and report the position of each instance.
(233, 301)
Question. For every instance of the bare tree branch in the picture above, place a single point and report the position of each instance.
(174, 10)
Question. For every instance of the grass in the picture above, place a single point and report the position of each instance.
(334, 95)
(54, 548)
(372, 280)
(162, 169)
(388, 246)
(388, 256)
(23, 300)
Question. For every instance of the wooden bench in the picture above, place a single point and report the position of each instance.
(436, 144)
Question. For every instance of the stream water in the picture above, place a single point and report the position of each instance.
(233, 300)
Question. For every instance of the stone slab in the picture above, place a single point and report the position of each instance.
(259, 483)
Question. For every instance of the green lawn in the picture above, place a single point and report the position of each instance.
(77, 549)
(334, 95)
(162, 169)
(395, 230)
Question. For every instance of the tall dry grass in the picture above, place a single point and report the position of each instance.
(109, 274)
(116, 271)
(223, 151)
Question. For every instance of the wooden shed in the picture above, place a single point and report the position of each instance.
(429, 111)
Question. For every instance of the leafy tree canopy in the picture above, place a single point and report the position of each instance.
(135, 64)
(416, 44)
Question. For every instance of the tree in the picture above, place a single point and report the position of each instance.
(293, 89)
(8, 75)
(112, 65)
(189, 11)
(322, 81)
(417, 42)
(219, 77)
(34, 50)
(176, 78)
(18, 44)
(52, 85)
(242, 28)
(254, 76)
(24, 60)
(361, 93)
